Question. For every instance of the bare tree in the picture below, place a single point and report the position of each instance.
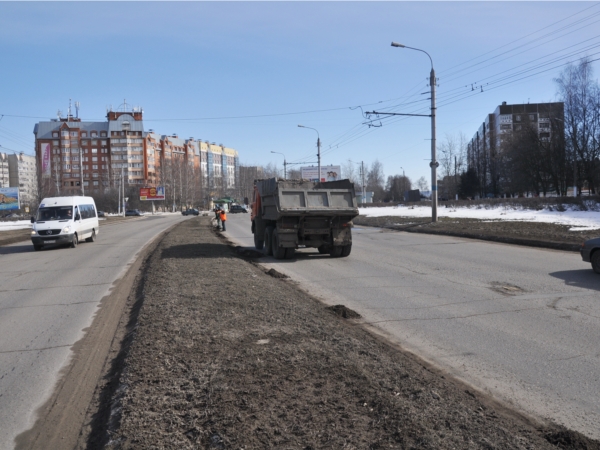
(422, 184)
(351, 171)
(452, 151)
(375, 181)
(581, 96)
(396, 187)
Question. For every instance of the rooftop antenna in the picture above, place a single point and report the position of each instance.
(77, 109)
(69, 113)
(59, 114)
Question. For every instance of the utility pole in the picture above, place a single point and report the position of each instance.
(319, 154)
(119, 197)
(434, 164)
(318, 150)
(81, 171)
(364, 188)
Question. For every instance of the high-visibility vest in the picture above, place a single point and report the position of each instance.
(223, 216)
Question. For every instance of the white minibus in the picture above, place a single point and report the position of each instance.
(64, 220)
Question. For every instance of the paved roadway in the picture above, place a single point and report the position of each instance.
(520, 323)
(47, 299)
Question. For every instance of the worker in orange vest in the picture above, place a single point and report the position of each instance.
(223, 218)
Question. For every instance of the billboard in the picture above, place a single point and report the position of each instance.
(328, 173)
(45, 160)
(151, 193)
(9, 198)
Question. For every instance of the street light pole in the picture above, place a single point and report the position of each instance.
(318, 149)
(433, 164)
(284, 165)
(81, 171)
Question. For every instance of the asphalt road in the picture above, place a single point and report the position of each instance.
(47, 299)
(520, 323)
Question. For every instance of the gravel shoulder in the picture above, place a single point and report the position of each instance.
(220, 354)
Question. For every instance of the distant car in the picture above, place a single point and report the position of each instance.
(133, 212)
(237, 209)
(101, 214)
(190, 212)
(590, 252)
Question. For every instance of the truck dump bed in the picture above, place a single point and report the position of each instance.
(301, 197)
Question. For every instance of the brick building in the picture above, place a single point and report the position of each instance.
(70, 152)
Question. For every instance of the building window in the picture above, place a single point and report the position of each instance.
(55, 134)
(74, 133)
(96, 182)
(518, 118)
(505, 126)
(95, 150)
(531, 116)
(95, 175)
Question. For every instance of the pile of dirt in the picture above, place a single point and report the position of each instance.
(225, 356)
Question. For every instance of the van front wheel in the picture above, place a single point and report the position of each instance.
(74, 242)
(92, 238)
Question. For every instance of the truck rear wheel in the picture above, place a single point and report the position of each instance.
(335, 251)
(290, 252)
(269, 241)
(346, 249)
(322, 249)
(258, 243)
(278, 252)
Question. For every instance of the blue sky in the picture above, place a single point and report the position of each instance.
(245, 74)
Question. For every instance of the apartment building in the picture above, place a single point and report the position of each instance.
(487, 143)
(4, 175)
(19, 170)
(23, 173)
(97, 155)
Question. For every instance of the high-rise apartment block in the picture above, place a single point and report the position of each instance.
(70, 152)
(19, 170)
(22, 173)
(546, 118)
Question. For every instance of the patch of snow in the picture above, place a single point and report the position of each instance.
(588, 220)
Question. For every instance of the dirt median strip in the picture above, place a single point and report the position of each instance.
(531, 234)
(226, 356)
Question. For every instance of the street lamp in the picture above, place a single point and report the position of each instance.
(284, 165)
(433, 164)
(318, 149)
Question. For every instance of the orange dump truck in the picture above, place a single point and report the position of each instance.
(287, 214)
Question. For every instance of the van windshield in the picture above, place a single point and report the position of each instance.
(55, 213)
